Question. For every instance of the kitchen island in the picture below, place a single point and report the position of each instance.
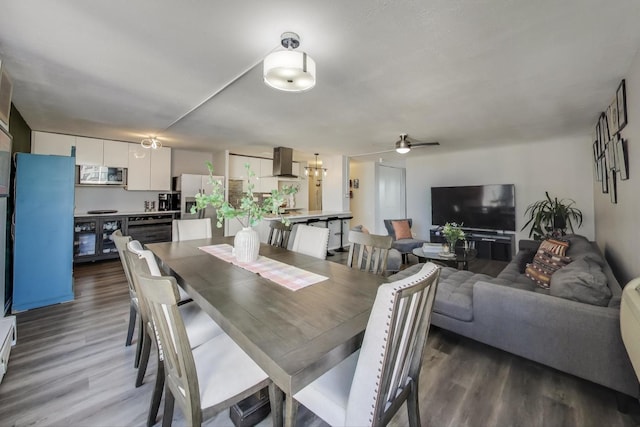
(302, 216)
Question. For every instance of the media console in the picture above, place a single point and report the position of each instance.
(489, 244)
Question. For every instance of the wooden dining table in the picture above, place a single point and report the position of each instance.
(294, 336)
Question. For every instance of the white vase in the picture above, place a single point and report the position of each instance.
(246, 245)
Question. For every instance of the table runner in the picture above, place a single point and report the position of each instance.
(286, 275)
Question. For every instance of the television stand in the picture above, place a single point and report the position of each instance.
(493, 245)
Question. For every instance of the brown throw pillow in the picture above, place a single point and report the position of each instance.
(544, 264)
(401, 229)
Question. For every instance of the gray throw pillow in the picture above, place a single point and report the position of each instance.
(583, 280)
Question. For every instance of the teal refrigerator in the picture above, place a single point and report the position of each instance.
(43, 230)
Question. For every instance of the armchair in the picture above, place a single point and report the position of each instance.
(400, 232)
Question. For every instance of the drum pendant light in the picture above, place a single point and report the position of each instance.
(289, 70)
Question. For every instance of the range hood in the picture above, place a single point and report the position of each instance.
(283, 162)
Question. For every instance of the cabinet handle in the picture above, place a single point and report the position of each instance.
(484, 239)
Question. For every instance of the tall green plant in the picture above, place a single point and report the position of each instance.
(249, 212)
(550, 217)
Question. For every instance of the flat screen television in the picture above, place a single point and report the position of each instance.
(485, 207)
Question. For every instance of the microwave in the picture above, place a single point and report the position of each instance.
(101, 175)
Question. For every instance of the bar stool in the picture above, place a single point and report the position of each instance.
(341, 233)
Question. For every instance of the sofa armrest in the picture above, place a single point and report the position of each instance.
(529, 245)
(578, 338)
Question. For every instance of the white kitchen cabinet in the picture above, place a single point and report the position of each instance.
(160, 174)
(149, 170)
(89, 151)
(92, 151)
(237, 170)
(116, 154)
(267, 181)
(52, 143)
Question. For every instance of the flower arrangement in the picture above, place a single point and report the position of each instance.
(249, 212)
(452, 233)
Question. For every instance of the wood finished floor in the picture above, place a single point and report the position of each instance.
(71, 368)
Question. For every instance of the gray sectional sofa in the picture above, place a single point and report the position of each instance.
(574, 326)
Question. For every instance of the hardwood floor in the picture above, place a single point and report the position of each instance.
(70, 368)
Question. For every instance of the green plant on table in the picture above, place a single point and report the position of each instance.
(550, 217)
(249, 211)
(452, 232)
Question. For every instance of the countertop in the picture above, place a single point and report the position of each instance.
(304, 214)
(123, 213)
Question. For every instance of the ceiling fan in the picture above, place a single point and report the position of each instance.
(404, 144)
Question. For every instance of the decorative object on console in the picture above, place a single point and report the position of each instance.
(249, 212)
(551, 217)
(452, 233)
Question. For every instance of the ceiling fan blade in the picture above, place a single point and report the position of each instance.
(423, 144)
(371, 154)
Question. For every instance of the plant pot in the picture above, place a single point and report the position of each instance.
(246, 245)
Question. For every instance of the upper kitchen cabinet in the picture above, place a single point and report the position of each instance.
(52, 143)
(267, 181)
(149, 169)
(237, 170)
(91, 151)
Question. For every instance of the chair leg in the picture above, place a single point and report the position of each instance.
(413, 407)
(141, 335)
(167, 415)
(275, 401)
(144, 359)
(157, 395)
(132, 324)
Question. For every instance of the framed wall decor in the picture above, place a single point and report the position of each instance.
(613, 116)
(604, 129)
(613, 187)
(596, 161)
(621, 96)
(621, 157)
(611, 156)
(605, 174)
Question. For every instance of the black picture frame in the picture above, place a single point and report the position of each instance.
(604, 129)
(605, 174)
(613, 116)
(621, 97)
(623, 161)
(611, 156)
(596, 161)
(613, 187)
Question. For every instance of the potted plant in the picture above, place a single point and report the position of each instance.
(452, 232)
(550, 217)
(249, 212)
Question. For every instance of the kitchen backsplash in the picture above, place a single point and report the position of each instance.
(93, 198)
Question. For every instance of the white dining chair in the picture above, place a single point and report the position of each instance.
(190, 229)
(311, 241)
(200, 327)
(203, 380)
(368, 387)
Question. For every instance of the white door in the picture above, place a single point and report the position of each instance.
(391, 202)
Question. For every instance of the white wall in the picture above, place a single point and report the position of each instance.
(363, 201)
(617, 225)
(563, 167)
(334, 184)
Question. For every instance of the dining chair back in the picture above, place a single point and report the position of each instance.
(190, 229)
(203, 380)
(369, 387)
(121, 244)
(279, 233)
(312, 241)
(368, 252)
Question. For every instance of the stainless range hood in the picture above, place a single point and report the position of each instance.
(283, 162)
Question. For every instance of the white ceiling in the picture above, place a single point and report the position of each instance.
(466, 73)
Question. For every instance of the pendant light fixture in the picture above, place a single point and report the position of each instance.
(152, 143)
(315, 170)
(289, 70)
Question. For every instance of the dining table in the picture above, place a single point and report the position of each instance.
(293, 335)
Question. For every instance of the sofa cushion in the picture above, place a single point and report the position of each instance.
(455, 293)
(555, 246)
(580, 247)
(583, 280)
(405, 246)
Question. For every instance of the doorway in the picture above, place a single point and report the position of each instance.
(391, 199)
